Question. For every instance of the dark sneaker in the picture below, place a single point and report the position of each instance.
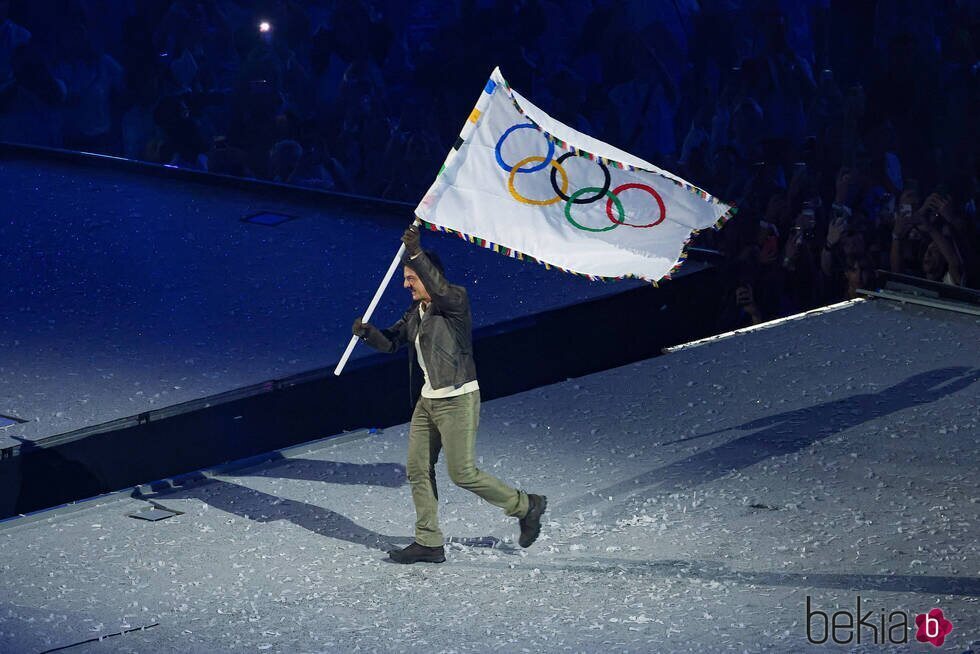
(415, 553)
(531, 523)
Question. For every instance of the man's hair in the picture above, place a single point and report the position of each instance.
(433, 257)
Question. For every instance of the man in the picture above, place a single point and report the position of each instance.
(438, 329)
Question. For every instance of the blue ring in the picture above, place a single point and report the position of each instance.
(541, 166)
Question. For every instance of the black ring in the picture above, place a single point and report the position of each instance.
(586, 200)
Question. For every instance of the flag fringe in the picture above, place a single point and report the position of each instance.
(521, 256)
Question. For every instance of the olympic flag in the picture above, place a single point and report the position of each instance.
(527, 186)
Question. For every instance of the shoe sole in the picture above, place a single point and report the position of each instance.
(534, 537)
(439, 560)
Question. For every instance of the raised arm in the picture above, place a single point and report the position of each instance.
(954, 263)
(448, 297)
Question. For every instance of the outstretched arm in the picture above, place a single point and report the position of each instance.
(384, 340)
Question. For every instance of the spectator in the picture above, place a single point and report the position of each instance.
(139, 128)
(181, 142)
(283, 160)
(224, 159)
(311, 172)
(801, 256)
(845, 249)
(94, 84)
(940, 260)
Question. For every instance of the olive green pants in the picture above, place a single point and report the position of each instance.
(450, 423)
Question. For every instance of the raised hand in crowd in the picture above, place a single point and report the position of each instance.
(835, 230)
(792, 248)
(801, 233)
(905, 220)
(941, 261)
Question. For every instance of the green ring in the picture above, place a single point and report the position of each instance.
(594, 189)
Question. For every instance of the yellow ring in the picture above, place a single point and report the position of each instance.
(540, 203)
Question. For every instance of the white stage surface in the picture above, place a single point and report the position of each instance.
(696, 501)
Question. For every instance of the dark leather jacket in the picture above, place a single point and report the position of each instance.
(445, 334)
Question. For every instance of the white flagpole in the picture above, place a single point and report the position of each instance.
(374, 303)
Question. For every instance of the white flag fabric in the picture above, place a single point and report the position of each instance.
(522, 183)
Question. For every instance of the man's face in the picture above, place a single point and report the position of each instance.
(413, 283)
(858, 276)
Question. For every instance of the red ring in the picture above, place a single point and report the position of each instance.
(644, 187)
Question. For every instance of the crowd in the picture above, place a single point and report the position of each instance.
(844, 131)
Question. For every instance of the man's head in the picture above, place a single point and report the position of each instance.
(859, 273)
(412, 280)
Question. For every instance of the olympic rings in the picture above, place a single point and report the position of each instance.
(500, 159)
(540, 203)
(561, 191)
(644, 187)
(601, 192)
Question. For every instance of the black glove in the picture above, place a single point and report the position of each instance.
(360, 329)
(411, 239)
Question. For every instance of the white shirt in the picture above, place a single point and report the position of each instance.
(435, 393)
